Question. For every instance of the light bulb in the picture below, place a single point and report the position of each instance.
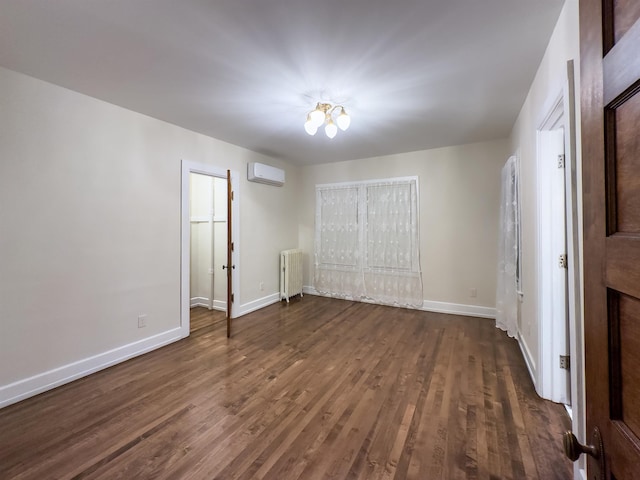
(317, 116)
(331, 129)
(343, 120)
(310, 128)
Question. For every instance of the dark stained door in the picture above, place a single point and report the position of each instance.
(230, 267)
(610, 103)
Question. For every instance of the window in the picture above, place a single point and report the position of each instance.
(367, 241)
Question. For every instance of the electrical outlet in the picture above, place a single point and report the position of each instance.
(142, 321)
(473, 293)
(261, 286)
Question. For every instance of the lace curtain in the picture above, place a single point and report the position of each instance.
(508, 251)
(367, 241)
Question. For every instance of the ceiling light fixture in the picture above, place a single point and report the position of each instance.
(324, 113)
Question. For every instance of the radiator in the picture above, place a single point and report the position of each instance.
(290, 273)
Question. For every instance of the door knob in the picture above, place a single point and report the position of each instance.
(573, 449)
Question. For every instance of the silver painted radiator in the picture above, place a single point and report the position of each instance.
(290, 273)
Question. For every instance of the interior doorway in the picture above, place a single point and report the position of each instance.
(559, 226)
(554, 382)
(204, 242)
(560, 210)
(208, 247)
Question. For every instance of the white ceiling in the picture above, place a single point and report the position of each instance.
(413, 74)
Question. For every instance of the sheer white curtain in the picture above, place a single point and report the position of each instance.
(508, 251)
(367, 241)
(338, 250)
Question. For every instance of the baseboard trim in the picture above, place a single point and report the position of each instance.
(459, 309)
(436, 307)
(220, 305)
(199, 302)
(528, 360)
(29, 387)
(204, 302)
(257, 304)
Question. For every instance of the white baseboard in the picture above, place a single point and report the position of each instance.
(307, 289)
(220, 305)
(437, 307)
(528, 360)
(204, 302)
(459, 309)
(199, 302)
(257, 304)
(22, 389)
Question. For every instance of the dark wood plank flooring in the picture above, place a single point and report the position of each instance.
(203, 317)
(318, 389)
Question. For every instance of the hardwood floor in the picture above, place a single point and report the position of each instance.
(318, 389)
(203, 317)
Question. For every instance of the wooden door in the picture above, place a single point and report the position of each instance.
(230, 266)
(610, 100)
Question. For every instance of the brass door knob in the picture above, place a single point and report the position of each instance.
(573, 448)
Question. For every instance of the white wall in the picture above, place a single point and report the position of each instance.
(549, 82)
(545, 90)
(90, 215)
(459, 205)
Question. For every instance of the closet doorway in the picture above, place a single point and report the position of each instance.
(208, 249)
(209, 265)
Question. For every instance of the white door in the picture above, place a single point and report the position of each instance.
(554, 382)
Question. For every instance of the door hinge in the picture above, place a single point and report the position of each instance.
(562, 261)
(565, 362)
(232, 195)
(232, 298)
(561, 160)
(232, 247)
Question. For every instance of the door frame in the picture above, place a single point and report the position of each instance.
(553, 318)
(188, 167)
(566, 100)
(573, 178)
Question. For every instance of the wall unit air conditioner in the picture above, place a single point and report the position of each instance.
(261, 173)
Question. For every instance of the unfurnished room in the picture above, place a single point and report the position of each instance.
(277, 239)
